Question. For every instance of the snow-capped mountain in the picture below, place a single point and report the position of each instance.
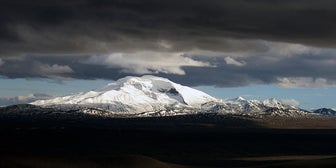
(242, 106)
(325, 111)
(150, 95)
(134, 94)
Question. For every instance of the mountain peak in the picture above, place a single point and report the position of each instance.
(134, 79)
(140, 93)
(272, 102)
(325, 111)
(239, 98)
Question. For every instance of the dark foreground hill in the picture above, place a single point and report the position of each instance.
(202, 140)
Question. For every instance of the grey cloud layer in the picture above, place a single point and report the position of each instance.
(303, 70)
(195, 42)
(100, 26)
(147, 62)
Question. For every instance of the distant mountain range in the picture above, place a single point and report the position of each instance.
(154, 96)
(325, 111)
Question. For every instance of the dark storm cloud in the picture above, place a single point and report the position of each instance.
(194, 42)
(91, 26)
(69, 67)
(31, 68)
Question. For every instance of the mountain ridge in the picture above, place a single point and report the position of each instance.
(150, 95)
(325, 111)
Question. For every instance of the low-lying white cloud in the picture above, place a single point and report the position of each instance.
(304, 82)
(53, 71)
(291, 102)
(147, 62)
(5, 101)
(231, 61)
(257, 48)
(288, 49)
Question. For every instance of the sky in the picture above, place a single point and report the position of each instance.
(257, 49)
